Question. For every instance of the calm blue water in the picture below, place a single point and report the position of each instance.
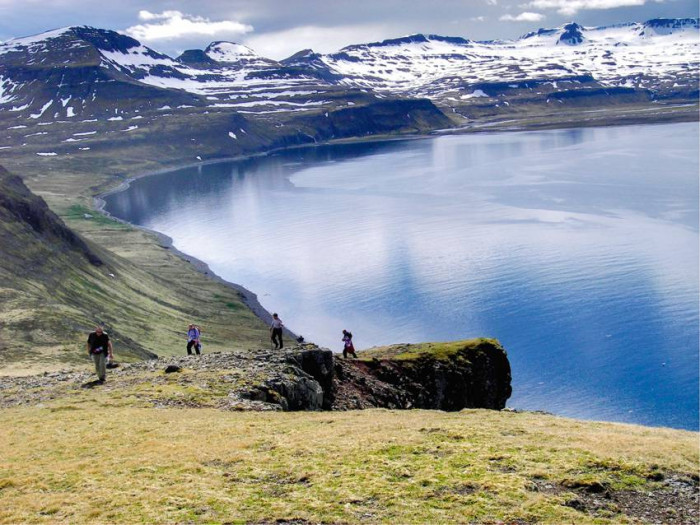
(578, 249)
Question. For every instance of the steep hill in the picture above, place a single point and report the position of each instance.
(54, 287)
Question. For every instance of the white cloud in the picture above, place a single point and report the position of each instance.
(477, 18)
(523, 17)
(282, 44)
(571, 7)
(175, 24)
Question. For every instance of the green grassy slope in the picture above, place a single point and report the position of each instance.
(54, 288)
(96, 459)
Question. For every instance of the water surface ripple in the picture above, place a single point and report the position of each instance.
(578, 249)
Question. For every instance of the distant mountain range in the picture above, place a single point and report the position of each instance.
(74, 76)
(77, 65)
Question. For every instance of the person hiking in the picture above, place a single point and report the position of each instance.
(348, 347)
(99, 347)
(193, 335)
(276, 331)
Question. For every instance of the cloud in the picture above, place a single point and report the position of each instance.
(571, 7)
(175, 24)
(282, 44)
(523, 17)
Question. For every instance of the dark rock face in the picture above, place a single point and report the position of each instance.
(475, 377)
(572, 35)
(318, 364)
(18, 205)
(300, 379)
(195, 57)
(300, 392)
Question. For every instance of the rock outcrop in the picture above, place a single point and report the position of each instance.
(446, 376)
(443, 376)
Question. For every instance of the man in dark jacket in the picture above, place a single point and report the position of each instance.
(99, 347)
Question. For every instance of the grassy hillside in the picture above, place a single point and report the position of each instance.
(54, 288)
(97, 459)
(144, 294)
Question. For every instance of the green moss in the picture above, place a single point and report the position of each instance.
(83, 213)
(446, 350)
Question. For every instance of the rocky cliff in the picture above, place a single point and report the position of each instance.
(442, 376)
(445, 376)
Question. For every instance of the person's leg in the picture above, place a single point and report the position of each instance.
(189, 347)
(345, 353)
(273, 338)
(100, 365)
(197, 348)
(280, 337)
(95, 359)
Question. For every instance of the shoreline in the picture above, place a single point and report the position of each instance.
(249, 297)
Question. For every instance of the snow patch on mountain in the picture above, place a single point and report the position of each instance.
(36, 41)
(230, 52)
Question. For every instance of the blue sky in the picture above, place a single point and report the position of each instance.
(278, 28)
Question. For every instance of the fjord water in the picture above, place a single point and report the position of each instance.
(577, 249)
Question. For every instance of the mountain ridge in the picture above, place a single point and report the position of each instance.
(655, 55)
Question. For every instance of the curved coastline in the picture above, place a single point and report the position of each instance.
(249, 298)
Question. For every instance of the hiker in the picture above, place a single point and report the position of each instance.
(100, 348)
(276, 331)
(193, 334)
(348, 347)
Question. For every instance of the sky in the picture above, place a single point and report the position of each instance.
(279, 28)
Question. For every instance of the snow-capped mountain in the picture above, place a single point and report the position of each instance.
(83, 72)
(654, 55)
(76, 71)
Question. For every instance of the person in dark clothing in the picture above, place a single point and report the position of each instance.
(348, 347)
(276, 331)
(193, 335)
(99, 347)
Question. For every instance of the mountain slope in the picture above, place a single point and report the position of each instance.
(659, 58)
(54, 287)
(82, 91)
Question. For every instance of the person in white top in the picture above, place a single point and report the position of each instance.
(276, 331)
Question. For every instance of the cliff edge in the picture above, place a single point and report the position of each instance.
(444, 376)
